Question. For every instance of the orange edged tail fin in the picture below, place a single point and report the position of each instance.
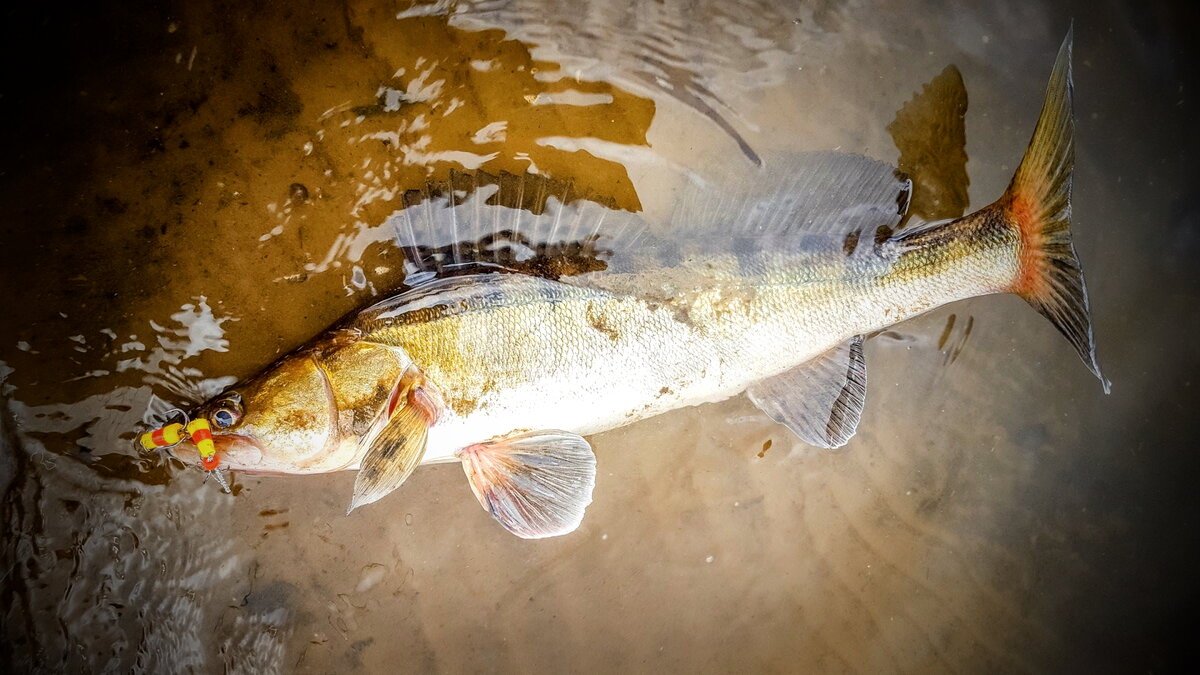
(1038, 205)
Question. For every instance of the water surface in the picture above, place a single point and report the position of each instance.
(197, 190)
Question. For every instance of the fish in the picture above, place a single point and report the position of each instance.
(566, 319)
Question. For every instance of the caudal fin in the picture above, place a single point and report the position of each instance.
(1038, 204)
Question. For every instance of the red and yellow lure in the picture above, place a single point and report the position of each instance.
(199, 432)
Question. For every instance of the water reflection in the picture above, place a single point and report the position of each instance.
(458, 99)
(930, 131)
(687, 56)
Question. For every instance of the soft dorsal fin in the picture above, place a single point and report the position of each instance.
(792, 197)
(820, 401)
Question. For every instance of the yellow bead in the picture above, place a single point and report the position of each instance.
(171, 433)
(202, 437)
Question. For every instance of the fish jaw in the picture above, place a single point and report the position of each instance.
(235, 451)
(240, 452)
(244, 454)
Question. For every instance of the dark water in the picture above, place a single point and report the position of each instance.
(193, 190)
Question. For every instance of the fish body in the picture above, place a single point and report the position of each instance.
(518, 352)
(506, 372)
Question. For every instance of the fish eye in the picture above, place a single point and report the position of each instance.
(228, 412)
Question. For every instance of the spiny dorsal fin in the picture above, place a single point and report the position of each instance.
(526, 223)
(820, 401)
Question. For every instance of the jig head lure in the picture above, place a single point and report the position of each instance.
(199, 432)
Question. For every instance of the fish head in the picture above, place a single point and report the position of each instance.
(283, 420)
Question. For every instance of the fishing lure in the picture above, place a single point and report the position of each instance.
(199, 432)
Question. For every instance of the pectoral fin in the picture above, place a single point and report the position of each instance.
(396, 450)
(536, 485)
(820, 401)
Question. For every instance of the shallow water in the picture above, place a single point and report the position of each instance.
(196, 191)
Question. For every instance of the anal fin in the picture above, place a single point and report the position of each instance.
(536, 484)
(820, 401)
(397, 449)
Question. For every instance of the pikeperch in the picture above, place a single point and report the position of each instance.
(506, 366)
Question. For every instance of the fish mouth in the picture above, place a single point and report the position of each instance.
(238, 452)
(234, 451)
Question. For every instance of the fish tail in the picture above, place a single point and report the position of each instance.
(1037, 205)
